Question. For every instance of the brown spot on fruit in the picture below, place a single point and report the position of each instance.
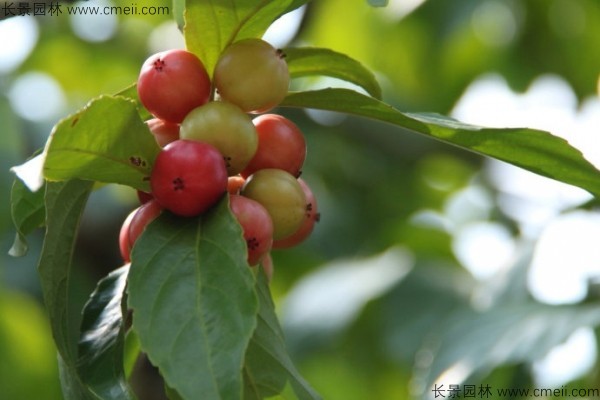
(159, 64)
(178, 184)
(252, 243)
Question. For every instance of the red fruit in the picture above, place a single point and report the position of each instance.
(256, 224)
(172, 83)
(281, 145)
(164, 132)
(312, 216)
(188, 177)
(134, 225)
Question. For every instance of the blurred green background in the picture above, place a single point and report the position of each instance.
(431, 265)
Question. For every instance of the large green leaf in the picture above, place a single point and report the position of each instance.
(474, 342)
(101, 345)
(534, 150)
(193, 300)
(212, 25)
(28, 213)
(65, 202)
(268, 366)
(178, 13)
(310, 61)
(106, 141)
(131, 93)
(94, 370)
(72, 386)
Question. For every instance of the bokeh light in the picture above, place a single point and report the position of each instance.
(37, 96)
(566, 256)
(23, 33)
(165, 36)
(94, 27)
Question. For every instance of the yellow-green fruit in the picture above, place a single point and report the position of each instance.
(226, 127)
(281, 195)
(252, 74)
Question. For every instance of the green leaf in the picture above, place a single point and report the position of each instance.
(523, 332)
(193, 300)
(65, 202)
(28, 213)
(131, 352)
(72, 386)
(307, 61)
(296, 4)
(131, 93)
(178, 13)
(210, 26)
(533, 150)
(101, 345)
(268, 366)
(172, 394)
(106, 141)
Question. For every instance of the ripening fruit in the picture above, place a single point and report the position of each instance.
(134, 225)
(281, 145)
(311, 216)
(281, 195)
(253, 75)
(164, 132)
(226, 127)
(188, 177)
(256, 225)
(172, 83)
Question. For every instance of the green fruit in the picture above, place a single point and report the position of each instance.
(281, 195)
(227, 128)
(253, 75)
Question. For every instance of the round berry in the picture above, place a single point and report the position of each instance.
(188, 177)
(311, 216)
(281, 145)
(256, 225)
(172, 83)
(227, 128)
(252, 74)
(134, 225)
(281, 195)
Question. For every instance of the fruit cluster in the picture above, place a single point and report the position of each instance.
(211, 147)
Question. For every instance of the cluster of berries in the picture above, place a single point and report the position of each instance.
(211, 147)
